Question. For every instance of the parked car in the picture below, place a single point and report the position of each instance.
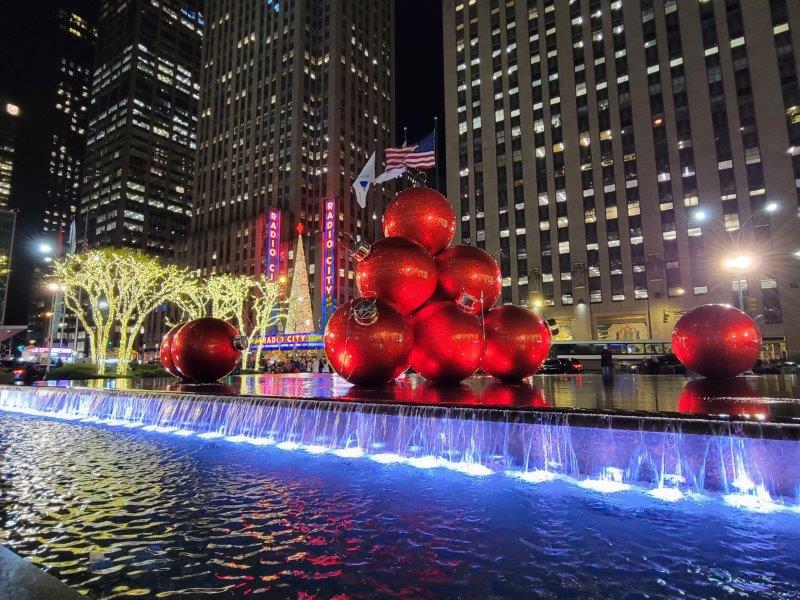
(561, 366)
(21, 373)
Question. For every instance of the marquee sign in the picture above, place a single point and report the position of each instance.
(273, 244)
(289, 341)
(330, 217)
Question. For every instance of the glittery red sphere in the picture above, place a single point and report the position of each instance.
(423, 215)
(398, 271)
(203, 350)
(448, 343)
(368, 352)
(716, 340)
(469, 270)
(165, 351)
(517, 342)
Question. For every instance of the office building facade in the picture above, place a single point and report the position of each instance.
(10, 113)
(139, 166)
(613, 153)
(70, 82)
(295, 97)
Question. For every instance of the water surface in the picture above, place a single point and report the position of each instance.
(119, 513)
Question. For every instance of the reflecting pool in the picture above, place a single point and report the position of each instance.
(119, 513)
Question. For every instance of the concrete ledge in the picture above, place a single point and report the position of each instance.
(20, 580)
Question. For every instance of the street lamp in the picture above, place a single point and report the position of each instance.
(739, 264)
(45, 248)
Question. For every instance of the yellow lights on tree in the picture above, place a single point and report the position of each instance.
(264, 315)
(115, 287)
(4, 269)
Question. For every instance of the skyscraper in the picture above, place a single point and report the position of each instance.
(295, 97)
(140, 149)
(9, 115)
(630, 159)
(73, 45)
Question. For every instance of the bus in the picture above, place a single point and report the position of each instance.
(626, 354)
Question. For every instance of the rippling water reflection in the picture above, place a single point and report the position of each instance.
(122, 514)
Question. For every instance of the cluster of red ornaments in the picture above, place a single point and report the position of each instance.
(428, 305)
(201, 351)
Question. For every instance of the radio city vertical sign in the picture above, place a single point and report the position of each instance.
(273, 254)
(330, 219)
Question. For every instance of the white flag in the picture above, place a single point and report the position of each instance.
(365, 179)
(71, 240)
(390, 174)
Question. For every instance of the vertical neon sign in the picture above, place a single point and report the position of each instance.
(328, 258)
(273, 258)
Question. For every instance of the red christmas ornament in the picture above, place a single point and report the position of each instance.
(423, 215)
(733, 396)
(716, 340)
(469, 270)
(448, 343)
(517, 343)
(206, 349)
(396, 270)
(165, 351)
(367, 342)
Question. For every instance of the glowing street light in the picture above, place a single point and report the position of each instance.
(771, 207)
(738, 263)
(45, 248)
(53, 286)
(700, 216)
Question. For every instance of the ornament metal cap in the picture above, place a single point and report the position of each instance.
(365, 312)
(360, 250)
(467, 301)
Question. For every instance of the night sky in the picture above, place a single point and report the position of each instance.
(24, 48)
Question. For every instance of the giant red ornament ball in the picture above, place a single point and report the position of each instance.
(423, 215)
(165, 351)
(716, 340)
(517, 343)
(448, 343)
(469, 270)
(398, 271)
(204, 350)
(368, 342)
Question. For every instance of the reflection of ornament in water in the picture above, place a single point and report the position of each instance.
(514, 394)
(735, 397)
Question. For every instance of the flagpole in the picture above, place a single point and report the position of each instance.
(435, 152)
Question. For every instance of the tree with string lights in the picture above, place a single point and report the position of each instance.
(264, 314)
(108, 287)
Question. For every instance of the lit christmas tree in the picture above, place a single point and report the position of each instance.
(300, 314)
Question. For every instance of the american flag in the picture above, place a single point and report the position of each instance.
(417, 156)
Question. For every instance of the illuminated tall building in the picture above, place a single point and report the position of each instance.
(295, 97)
(73, 46)
(9, 116)
(139, 165)
(611, 153)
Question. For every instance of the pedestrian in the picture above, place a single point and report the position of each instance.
(607, 363)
